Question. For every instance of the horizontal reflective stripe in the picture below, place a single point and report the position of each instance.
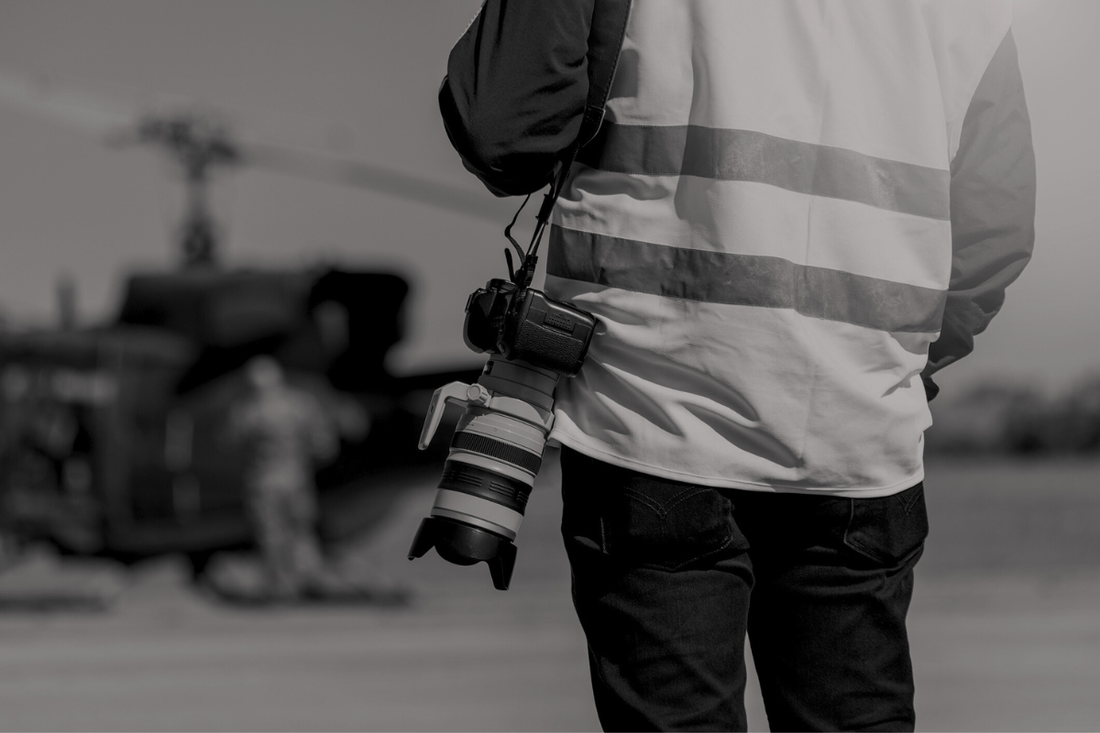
(760, 220)
(750, 280)
(744, 155)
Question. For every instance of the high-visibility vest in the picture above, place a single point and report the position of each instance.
(764, 236)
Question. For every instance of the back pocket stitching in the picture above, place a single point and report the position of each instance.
(697, 558)
(869, 551)
(663, 510)
(685, 495)
(851, 541)
(657, 508)
(914, 498)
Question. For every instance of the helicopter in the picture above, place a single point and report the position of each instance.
(112, 435)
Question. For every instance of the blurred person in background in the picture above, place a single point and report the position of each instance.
(794, 215)
(285, 433)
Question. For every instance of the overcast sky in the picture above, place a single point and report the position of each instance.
(294, 71)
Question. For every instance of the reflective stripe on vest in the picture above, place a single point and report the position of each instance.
(763, 230)
(735, 279)
(744, 155)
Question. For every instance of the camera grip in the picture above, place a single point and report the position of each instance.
(549, 334)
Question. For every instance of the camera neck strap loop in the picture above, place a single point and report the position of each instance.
(526, 273)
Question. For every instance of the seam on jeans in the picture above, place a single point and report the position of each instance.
(918, 550)
(848, 526)
(852, 541)
(643, 499)
(871, 552)
(686, 494)
(887, 561)
(914, 498)
(700, 556)
(663, 510)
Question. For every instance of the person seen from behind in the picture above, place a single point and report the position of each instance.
(795, 213)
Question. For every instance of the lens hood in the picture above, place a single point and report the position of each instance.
(461, 544)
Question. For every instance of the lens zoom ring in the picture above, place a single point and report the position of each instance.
(506, 452)
(477, 482)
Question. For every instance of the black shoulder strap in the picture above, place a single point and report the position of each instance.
(605, 42)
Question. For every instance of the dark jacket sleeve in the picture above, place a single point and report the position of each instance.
(992, 209)
(515, 90)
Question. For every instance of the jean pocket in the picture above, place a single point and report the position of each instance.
(888, 529)
(668, 525)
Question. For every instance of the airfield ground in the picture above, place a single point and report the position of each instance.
(1005, 629)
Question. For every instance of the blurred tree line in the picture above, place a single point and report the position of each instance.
(1001, 418)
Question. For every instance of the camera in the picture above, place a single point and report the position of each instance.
(498, 443)
(522, 324)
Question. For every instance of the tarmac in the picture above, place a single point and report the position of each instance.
(1005, 629)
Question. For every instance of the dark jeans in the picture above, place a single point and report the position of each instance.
(669, 577)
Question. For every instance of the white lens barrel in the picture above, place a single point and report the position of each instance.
(478, 512)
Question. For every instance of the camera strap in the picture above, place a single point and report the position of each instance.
(605, 41)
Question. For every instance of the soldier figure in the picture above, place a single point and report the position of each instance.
(284, 432)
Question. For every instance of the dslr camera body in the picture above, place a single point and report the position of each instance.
(498, 443)
(522, 324)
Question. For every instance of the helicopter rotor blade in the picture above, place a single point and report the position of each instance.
(121, 125)
(376, 178)
(41, 95)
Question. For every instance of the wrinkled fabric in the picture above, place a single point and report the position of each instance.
(864, 157)
(515, 91)
(772, 229)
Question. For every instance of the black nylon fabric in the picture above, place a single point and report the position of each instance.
(992, 208)
(524, 81)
